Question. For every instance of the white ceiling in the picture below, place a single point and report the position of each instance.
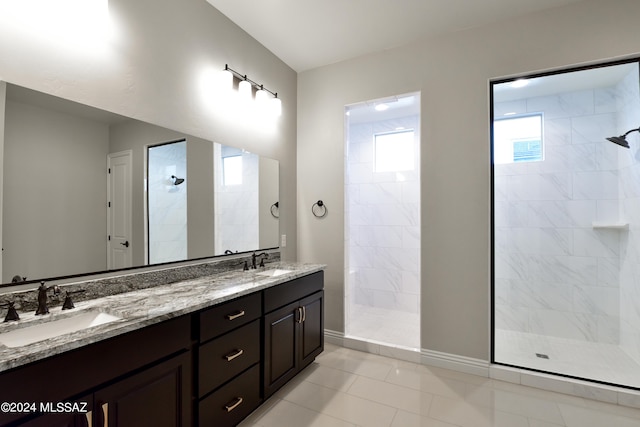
(307, 34)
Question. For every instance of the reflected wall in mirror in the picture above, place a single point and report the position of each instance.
(55, 201)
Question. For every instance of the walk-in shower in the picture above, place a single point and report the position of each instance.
(382, 221)
(566, 223)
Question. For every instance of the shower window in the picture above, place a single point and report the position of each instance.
(518, 139)
(394, 152)
(564, 238)
(232, 167)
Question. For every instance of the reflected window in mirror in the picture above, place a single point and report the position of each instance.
(232, 166)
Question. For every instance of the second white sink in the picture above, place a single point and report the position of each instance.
(274, 272)
(45, 330)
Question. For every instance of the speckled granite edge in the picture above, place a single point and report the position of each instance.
(26, 301)
(147, 306)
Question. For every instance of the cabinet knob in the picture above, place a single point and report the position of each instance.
(235, 315)
(233, 355)
(231, 406)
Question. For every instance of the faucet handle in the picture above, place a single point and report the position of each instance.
(68, 303)
(12, 314)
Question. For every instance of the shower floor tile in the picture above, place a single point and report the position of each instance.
(384, 326)
(595, 361)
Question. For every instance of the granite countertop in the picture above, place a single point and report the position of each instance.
(140, 308)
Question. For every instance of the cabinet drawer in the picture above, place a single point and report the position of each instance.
(226, 356)
(229, 315)
(294, 290)
(229, 405)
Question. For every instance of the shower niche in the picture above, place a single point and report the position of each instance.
(566, 204)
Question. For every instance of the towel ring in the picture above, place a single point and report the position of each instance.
(275, 210)
(320, 211)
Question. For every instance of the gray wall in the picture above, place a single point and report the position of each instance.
(152, 72)
(452, 72)
(55, 217)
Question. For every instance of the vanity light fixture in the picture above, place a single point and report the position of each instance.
(246, 88)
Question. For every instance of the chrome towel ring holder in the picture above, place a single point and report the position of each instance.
(319, 209)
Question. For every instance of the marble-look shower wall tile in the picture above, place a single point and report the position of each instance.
(597, 300)
(563, 324)
(549, 186)
(557, 132)
(593, 128)
(596, 243)
(551, 296)
(383, 223)
(596, 185)
(606, 100)
(572, 104)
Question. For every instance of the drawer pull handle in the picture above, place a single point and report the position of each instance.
(89, 416)
(233, 355)
(231, 406)
(105, 413)
(236, 315)
(304, 314)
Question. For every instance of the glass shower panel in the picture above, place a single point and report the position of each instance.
(167, 202)
(382, 221)
(565, 238)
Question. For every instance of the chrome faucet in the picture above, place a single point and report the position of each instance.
(253, 259)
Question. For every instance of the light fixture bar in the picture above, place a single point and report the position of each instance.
(243, 77)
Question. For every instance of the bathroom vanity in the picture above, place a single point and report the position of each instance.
(199, 352)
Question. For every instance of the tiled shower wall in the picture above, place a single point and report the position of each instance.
(555, 273)
(383, 223)
(236, 222)
(629, 118)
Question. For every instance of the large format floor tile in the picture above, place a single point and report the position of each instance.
(348, 388)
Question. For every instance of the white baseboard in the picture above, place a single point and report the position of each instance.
(454, 362)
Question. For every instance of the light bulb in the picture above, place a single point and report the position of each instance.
(245, 90)
(276, 105)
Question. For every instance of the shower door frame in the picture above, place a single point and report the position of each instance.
(492, 83)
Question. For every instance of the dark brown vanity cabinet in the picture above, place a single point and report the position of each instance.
(229, 361)
(159, 396)
(293, 329)
(209, 368)
(138, 378)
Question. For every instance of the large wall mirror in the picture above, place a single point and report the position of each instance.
(88, 191)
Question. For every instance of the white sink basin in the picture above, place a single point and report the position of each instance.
(274, 272)
(42, 331)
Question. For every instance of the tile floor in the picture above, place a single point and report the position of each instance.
(590, 360)
(391, 327)
(346, 387)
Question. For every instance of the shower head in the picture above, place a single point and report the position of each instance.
(622, 140)
(619, 140)
(176, 180)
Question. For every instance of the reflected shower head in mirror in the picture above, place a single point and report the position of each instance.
(622, 140)
(176, 180)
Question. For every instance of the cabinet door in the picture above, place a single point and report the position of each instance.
(311, 328)
(280, 347)
(60, 420)
(159, 396)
